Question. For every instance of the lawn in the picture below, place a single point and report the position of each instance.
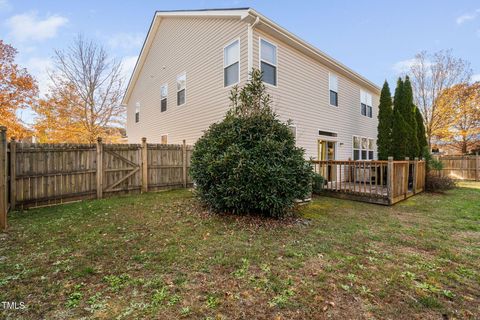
(161, 255)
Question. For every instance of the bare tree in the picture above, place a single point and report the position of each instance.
(90, 83)
(430, 75)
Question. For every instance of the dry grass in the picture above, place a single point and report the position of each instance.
(163, 256)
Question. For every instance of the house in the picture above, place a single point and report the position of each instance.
(191, 59)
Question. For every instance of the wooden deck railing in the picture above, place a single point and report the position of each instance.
(383, 182)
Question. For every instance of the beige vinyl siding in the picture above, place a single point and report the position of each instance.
(195, 46)
(302, 95)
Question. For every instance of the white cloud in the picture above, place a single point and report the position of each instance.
(128, 64)
(476, 77)
(468, 16)
(404, 65)
(126, 40)
(39, 67)
(28, 26)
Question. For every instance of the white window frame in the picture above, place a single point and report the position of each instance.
(163, 135)
(368, 101)
(294, 126)
(165, 85)
(362, 149)
(137, 111)
(330, 74)
(184, 73)
(260, 59)
(239, 62)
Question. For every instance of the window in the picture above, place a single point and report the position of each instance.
(181, 86)
(363, 148)
(163, 97)
(333, 86)
(164, 139)
(231, 64)
(327, 133)
(137, 112)
(268, 62)
(294, 131)
(366, 104)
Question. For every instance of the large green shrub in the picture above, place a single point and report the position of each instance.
(248, 163)
(318, 182)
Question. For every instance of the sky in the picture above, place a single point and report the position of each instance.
(376, 38)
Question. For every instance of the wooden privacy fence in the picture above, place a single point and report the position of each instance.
(383, 182)
(460, 167)
(36, 174)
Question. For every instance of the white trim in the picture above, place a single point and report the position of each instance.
(242, 13)
(239, 62)
(260, 59)
(249, 50)
(177, 91)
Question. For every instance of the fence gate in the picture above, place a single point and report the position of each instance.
(121, 168)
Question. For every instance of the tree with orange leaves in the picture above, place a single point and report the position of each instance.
(461, 103)
(85, 95)
(18, 90)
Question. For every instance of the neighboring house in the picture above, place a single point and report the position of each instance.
(191, 59)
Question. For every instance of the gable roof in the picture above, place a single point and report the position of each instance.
(261, 22)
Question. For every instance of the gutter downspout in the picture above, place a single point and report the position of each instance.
(250, 27)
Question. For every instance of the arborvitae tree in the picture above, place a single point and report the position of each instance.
(410, 118)
(421, 135)
(399, 126)
(385, 121)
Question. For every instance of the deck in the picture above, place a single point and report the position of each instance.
(380, 182)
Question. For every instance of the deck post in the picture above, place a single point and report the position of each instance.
(415, 171)
(390, 180)
(3, 178)
(144, 165)
(13, 173)
(99, 168)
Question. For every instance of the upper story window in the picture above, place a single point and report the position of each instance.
(164, 139)
(137, 111)
(268, 62)
(333, 86)
(293, 128)
(231, 64)
(363, 148)
(181, 89)
(366, 104)
(163, 97)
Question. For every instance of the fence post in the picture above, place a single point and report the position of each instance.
(13, 173)
(144, 165)
(415, 170)
(405, 178)
(3, 178)
(390, 179)
(477, 167)
(99, 168)
(184, 163)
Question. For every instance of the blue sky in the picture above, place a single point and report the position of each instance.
(375, 38)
